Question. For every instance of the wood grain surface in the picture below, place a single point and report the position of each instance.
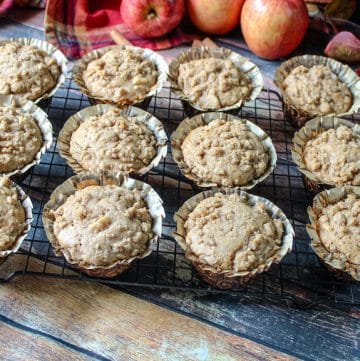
(52, 319)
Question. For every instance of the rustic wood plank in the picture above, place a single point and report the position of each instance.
(17, 344)
(125, 327)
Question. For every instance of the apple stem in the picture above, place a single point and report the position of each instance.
(151, 14)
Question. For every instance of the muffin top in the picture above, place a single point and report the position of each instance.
(27, 70)
(339, 229)
(334, 156)
(317, 90)
(112, 142)
(227, 153)
(120, 75)
(20, 139)
(213, 83)
(227, 233)
(12, 215)
(99, 225)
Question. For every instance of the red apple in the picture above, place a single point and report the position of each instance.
(214, 16)
(274, 28)
(151, 18)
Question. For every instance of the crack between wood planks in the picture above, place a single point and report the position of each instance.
(69, 345)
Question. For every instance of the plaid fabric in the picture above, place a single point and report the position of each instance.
(79, 26)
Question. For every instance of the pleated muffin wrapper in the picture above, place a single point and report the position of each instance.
(342, 268)
(231, 279)
(143, 102)
(50, 49)
(41, 119)
(27, 206)
(189, 124)
(297, 116)
(313, 182)
(77, 182)
(78, 118)
(243, 64)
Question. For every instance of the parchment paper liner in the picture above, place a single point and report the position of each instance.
(231, 279)
(308, 132)
(42, 121)
(75, 120)
(63, 191)
(28, 206)
(298, 117)
(189, 124)
(53, 52)
(244, 64)
(81, 65)
(322, 200)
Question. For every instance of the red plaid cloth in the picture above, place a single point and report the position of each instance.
(79, 26)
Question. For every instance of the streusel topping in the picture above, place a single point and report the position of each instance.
(227, 233)
(20, 139)
(317, 90)
(339, 229)
(227, 153)
(121, 75)
(12, 215)
(99, 225)
(334, 156)
(112, 142)
(27, 70)
(213, 83)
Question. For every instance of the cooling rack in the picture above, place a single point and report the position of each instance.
(300, 277)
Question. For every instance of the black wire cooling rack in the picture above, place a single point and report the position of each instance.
(300, 277)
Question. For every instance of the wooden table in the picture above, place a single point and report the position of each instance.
(52, 319)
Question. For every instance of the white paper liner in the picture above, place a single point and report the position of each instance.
(224, 278)
(309, 131)
(69, 187)
(242, 63)
(189, 124)
(345, 74)
(41, 118)
(28, 206)
(322, 200)
(81, 65)
(75, 120)
(53, 52)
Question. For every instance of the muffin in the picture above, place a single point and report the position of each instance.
(326, 150)
(335, 229)
(314, 85)
(218, 149)
(101, 225)
(26, 133)
(15, 217)
(104, 138)
(120, 75)
(214, 79)
(30, 68)
(230, 237)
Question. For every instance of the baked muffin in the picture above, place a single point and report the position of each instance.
(231, 237)
(27, 70)
(326, 150)
(15, 216)
(104, 138)
(101, 225)
(214, 79)
(215, 149)
(335, 229)
(20, 139)
(317, 90)
(213, 83)
(314, 85)
(334, 156)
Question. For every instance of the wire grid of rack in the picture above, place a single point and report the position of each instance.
(300, 277)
